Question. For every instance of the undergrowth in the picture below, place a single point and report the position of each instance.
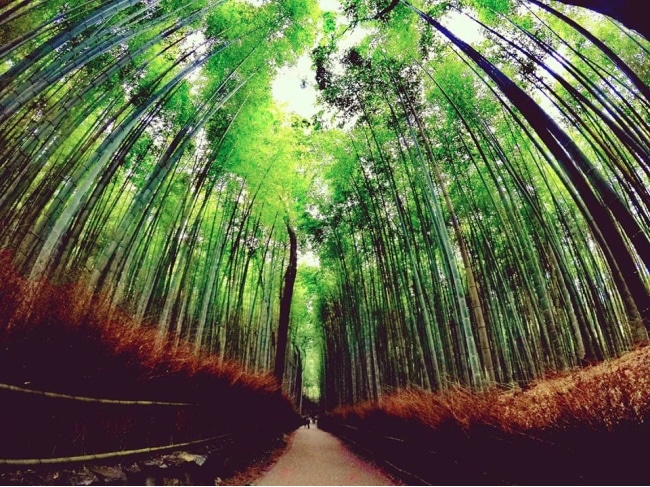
(602, 397)
(55, 338)
(585, 427)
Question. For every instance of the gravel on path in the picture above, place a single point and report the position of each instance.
(315, 457)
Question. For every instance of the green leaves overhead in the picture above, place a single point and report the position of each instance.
(489, 9)
(475, 183)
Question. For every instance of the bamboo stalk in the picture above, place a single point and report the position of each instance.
(56, 395)
(102, 456)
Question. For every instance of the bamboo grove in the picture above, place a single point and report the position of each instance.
(490, 213)
(480, 207)
(121, 161)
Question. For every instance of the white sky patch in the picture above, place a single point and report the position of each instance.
(330, 6)
(308, 258)
(554, 64)
(353, 38)
(295, 87)
(256, 3)
(195, 42)
(463, 27)
(557, 67)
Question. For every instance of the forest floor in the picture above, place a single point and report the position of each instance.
(177, 468)
(315, 457)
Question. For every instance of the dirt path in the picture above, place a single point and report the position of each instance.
(315, 457)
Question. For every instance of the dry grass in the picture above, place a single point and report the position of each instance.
(600, 398)
(51, 338)
(603, 397)
(582, 428)
(55, 338)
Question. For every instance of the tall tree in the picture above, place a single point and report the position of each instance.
(285, 303)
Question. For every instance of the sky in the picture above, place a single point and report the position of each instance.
(294, 88)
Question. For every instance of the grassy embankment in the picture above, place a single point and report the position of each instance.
(590, 426)
(52, 340)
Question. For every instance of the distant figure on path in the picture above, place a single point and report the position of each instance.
(306, 421)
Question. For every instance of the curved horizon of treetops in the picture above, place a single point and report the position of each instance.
(480, 210)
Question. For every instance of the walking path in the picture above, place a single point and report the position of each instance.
(315, 457)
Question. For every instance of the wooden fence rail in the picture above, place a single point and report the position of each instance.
(46, 427)
(124, 402)
(107, 455)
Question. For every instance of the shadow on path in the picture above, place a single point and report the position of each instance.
(316, 457)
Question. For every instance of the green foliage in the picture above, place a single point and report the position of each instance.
(489, 9)
(443, 213)
(329, 23)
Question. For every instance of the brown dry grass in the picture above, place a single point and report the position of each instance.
(51, 337)
(56, 338)
(585, 427)
(600, 397)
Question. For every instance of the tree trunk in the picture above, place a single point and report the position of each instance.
(630, 13)
(285, 303)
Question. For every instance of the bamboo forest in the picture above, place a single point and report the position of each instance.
(237, 214)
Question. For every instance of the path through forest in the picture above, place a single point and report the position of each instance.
(315, 457)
